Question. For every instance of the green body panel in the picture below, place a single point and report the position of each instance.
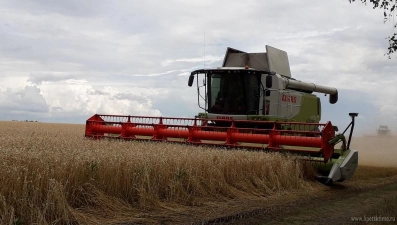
(326, 167)
(310, 110)
(202, 115)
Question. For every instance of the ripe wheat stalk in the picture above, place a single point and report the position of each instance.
(51, 174)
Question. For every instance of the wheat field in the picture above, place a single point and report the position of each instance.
(51, 174)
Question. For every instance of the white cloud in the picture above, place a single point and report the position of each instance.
(204, 59)
(80, 98)
(74, 81)
(313, 33)
(154, 74)
(183, 74)
(27, 99)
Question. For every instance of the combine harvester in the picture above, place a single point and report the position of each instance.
(384, 131)
(253, 103)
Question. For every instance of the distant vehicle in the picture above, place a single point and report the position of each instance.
(383, 130)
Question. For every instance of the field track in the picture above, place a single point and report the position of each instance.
(61, 174)
(372, 192)
(337, 204)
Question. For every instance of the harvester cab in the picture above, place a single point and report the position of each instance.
(253, 103)
(258, 86)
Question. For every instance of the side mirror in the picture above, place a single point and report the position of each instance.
(269, 81)
(191, 79)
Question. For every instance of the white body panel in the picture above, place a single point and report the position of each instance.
(282, 103)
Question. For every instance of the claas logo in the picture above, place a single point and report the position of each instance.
(288, 98)
(224, 117)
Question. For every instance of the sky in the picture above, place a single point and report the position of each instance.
(64, 61)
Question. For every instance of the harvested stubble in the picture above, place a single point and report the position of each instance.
(51, 174)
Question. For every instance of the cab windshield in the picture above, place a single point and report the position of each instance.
(233, 93)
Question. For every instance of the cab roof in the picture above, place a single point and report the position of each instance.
(232, 70)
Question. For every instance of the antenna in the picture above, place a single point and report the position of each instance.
(204, 50)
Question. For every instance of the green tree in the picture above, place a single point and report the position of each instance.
(389, 11)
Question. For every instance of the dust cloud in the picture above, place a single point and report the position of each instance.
(376, 150)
